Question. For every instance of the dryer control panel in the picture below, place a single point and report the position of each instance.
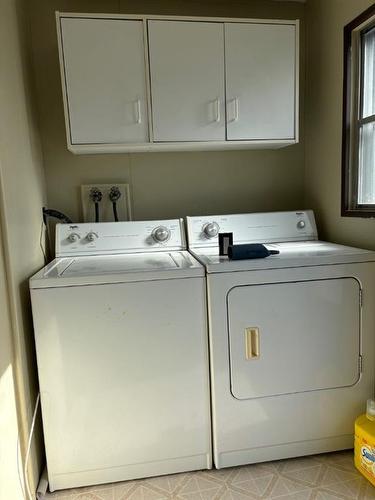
(119, 237)
(269, 227)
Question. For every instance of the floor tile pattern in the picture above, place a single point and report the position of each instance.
(330, 476)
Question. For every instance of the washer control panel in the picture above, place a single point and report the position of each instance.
(119, 237)
(252, 228)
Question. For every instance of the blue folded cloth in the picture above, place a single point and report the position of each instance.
(249, 251)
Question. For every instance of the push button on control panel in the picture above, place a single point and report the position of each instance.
(301, 224)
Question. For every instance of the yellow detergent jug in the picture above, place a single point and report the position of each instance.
(364, 443)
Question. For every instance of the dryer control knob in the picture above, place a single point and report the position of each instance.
(301, 224)
(211, 229)
(73, 237)
(91, 236)
(161, 234)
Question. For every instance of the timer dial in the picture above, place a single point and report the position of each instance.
(73, 237)
(211, 229)
(161, 234)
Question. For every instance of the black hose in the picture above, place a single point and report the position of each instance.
(114, 196)
(96, 196)
(115, 214)
(46, 214)
(50, 212)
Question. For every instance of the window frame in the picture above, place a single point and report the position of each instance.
(352, 120)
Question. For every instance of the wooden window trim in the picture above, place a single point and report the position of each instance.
(349, 136)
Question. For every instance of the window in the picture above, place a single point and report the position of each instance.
(358, 193)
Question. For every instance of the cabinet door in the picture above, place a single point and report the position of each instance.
(260, 62)
(187, 80)
(105, 80)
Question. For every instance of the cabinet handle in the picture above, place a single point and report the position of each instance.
(236, 109)
(138, 112)
(252, 347)
(236, 113)
(217, 102)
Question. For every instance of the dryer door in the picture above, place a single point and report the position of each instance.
(294, 337)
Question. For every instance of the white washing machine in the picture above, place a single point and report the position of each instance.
(121, 339)
(291, 337)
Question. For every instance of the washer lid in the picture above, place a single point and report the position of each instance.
(99, 265)
(101, 269)
(292, 254)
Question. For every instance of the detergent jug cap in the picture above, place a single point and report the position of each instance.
(370, 411)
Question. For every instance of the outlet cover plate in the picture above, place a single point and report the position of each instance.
(105, 206)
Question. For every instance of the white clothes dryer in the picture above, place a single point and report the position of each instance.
(121, 342)
(291, 337)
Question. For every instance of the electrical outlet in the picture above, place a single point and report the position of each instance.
(105, 206)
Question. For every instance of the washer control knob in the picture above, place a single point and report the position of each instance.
(211, 229)
(301, 224)
(73, 237)
(91, 236)
(161, 234)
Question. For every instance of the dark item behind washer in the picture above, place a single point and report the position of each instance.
(225, 240)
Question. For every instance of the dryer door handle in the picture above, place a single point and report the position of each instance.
(252, 344)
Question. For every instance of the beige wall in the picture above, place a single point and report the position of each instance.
(10, 482)
(326, 20)
(163, 184)
(22, 195)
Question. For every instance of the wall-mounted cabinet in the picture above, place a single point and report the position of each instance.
(133, 83)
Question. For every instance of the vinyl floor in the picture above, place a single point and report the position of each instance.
(330, 476)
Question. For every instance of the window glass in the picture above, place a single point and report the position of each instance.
(366, 144)
(366, 173)
(368, 42)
